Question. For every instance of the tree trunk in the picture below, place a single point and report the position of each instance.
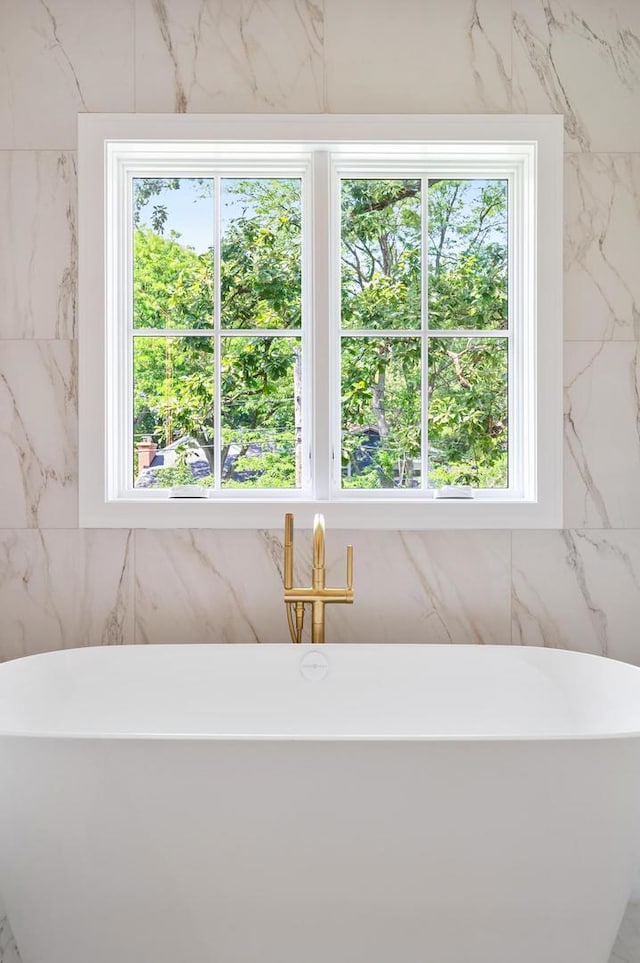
(208, 449)
(378, 406)
(378, 393)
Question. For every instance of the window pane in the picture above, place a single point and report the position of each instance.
(468, 254)
(261, 413)
(261, 263)
(380, 253)
(173, 252)
(381, 412)
(468, 403)
(173, 399)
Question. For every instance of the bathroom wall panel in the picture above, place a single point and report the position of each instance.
(38, 434)
(65, 588)
(38, 244)
(198, 586)
(207, 586)
(418, 57)
(423, 586)
(578, 589)
(602, 440)
(627, 947)
(602, 239)
(580, 58)
(229, 55)
(8, 948)
(59, 59)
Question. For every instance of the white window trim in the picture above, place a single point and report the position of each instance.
(539, 502)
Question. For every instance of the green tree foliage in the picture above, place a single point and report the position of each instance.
(467, 255)
(261, 266)
(174, 391)
(467, 288)
(173, 384)
(381, 291)
(172, 285)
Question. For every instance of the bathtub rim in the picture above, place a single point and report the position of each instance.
(303, 648)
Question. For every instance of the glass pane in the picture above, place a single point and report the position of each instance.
(468, 254)
(173, 252)
(173, 399)
(261, 413)
(468, 404)
(381, 412)
(261, 252)
(380, 253)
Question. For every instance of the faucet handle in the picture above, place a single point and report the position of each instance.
(288, 551)
(349, 568)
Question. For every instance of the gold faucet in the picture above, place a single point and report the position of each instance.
(318, 595)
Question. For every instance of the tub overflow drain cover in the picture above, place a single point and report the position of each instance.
(314, 666)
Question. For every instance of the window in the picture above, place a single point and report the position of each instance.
(354, 315)
(219, 372)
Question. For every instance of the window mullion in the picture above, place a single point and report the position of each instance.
(217, 370)
(326, 374)
(424, 327)
(515, 367)
(119, 475)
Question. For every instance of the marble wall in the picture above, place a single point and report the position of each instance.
(62, 586)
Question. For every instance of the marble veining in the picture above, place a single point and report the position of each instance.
(59, 58)
(602, 434)
(627, 946)
(418, 586)
(201, 55)
(580, 58)
(65, 588)
(38, 244)
(162, 17)
(487, 55)
(577, 590)
(602, 236)
(210, 598)
(374, 65)
(57, 44)
(8, 949)
(38, 434)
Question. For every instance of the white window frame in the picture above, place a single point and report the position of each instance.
(526, 149)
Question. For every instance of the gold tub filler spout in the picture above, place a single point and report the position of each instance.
(317, 594)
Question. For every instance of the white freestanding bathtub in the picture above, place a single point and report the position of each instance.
(289, 804)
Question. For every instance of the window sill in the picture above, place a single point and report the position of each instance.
(382, 514)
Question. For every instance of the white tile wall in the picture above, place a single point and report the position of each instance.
(61, 58)
(626, 948)
(212, 600)
(602, 424)
(62, 587)
(38, 434)
(578, 590)
(428, 57)
(602, 281)
(229, 55)
(8, 948)
(455, 586)
(580, 58)
(38, 244)
(65, 587)
(433, 586)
